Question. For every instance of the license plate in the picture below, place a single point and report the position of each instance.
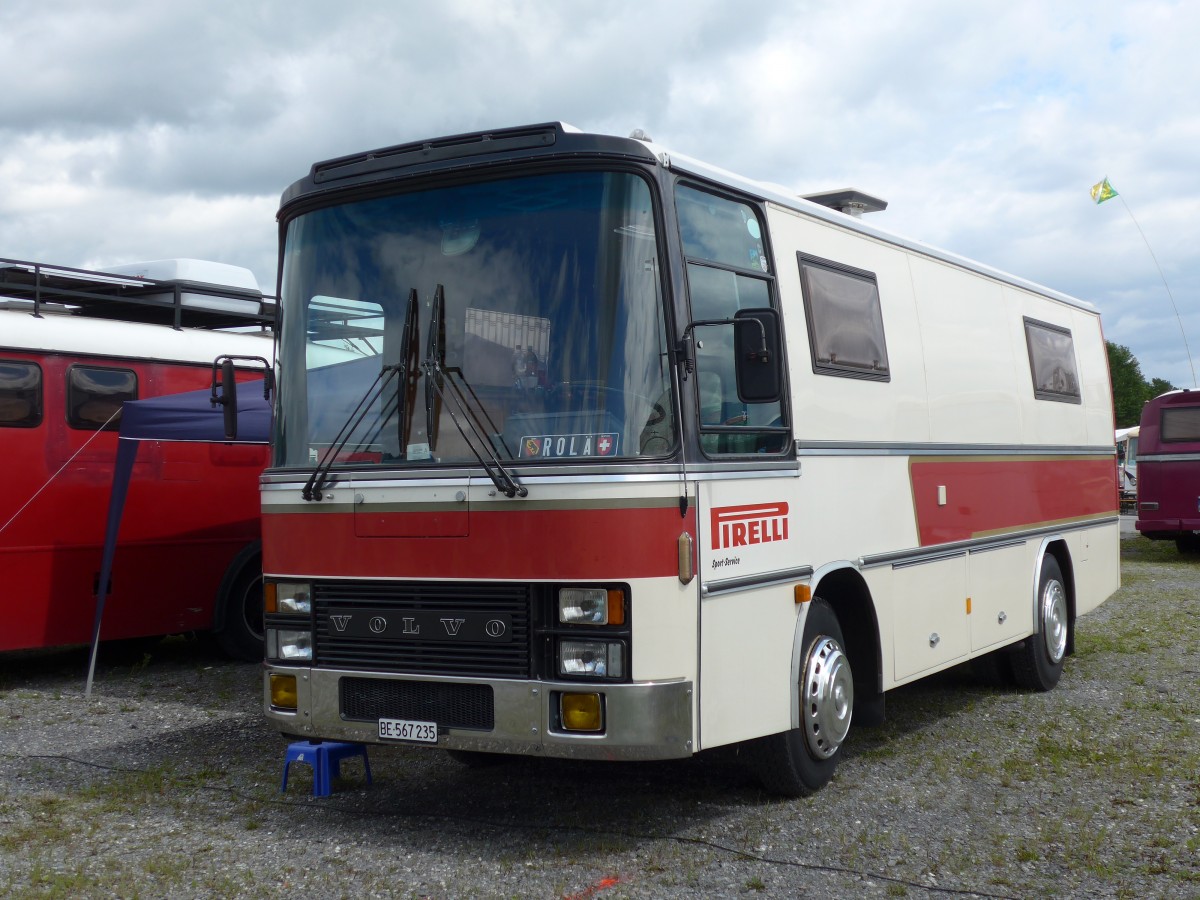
(408, 730)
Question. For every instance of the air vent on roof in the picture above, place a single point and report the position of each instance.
(853, 203)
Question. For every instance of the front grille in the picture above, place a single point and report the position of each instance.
(450, 705)
(465, 657)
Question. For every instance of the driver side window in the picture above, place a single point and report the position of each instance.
(727, 270)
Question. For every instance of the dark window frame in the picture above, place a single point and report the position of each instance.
(1066, 394)
(830, 366)
(764, 274)
(36, 413)
(74, 402)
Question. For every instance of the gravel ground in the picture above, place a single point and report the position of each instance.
(167, 784)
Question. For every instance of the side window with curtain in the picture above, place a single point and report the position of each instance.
(95, 395)
(20, 394)
(727, 270)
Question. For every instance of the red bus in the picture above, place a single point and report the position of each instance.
(1168, 485)
(74, 345)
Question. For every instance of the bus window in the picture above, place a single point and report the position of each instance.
(95, 395)
(1052, 362)
(845, 322)
(20, 394)
(727, 271)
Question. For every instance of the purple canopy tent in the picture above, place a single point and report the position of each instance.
(175, 417)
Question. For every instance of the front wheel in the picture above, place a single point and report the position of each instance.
(241, 634)
(1038, 663)
(799, 762)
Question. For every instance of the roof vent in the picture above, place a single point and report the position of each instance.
(850, 201)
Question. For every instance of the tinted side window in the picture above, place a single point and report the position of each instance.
(95, 395)
(20, 394)
(1180, 423)
(845, 321)
(1052, 362)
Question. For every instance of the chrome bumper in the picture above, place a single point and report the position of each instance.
(646, 720)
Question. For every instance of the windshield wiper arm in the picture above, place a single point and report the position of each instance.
(436, 374)
(505, 483)
(312, 490)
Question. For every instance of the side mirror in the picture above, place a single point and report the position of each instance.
(228, 398)
(758, 355)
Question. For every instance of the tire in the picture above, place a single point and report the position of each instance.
(1188, 544)
(801, 761)
(1037, 663)
(241, 632)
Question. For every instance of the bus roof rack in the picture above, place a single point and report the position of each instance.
(171, 292)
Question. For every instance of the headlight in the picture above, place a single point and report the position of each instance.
(594, 659)
(292, 597)
(591, 606)
(289, 644)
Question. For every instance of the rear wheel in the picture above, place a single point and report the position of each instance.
(1038, 663)
(799, 762)
(1188, 543)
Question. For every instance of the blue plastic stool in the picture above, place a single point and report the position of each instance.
(325, 757)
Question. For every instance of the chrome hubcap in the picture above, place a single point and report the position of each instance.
(1054, 620)
(827, 698)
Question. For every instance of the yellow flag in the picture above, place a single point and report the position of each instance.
(1103, 191)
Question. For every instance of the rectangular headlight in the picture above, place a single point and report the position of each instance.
(293, 597)
(583, 606)
(591, 606)
(289, 644)
(595, 659)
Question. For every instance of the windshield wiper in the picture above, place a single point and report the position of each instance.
(437, 377)
(435, 351)
(312, 490)
(409, 373)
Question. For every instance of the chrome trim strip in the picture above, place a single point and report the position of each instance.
(884, 448)
(643, 720)
(1169, 457)
(763, 579)
(903, 558)
(910, 561)
(281, 481)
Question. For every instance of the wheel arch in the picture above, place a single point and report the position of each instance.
(1056, 547)
(842, 586)
(244, 558)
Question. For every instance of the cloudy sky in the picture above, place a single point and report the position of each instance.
(133, 130)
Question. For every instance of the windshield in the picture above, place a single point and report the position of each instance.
(535, 313)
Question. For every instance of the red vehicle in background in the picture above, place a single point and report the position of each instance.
(74, 345)
(1168, 484)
